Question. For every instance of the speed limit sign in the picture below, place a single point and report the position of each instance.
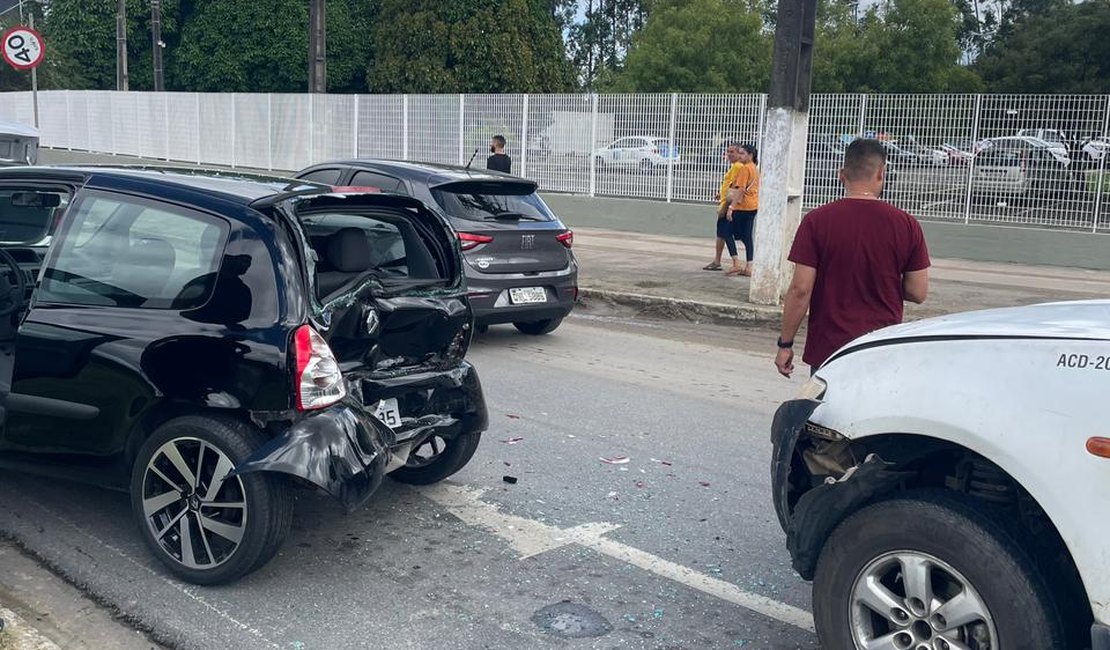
(23, 48)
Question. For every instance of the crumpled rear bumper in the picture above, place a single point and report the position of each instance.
(342, 450)
(346, 451)
(455, 394)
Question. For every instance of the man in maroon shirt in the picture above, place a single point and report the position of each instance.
(855, 261)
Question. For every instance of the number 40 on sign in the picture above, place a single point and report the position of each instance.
(23, 48)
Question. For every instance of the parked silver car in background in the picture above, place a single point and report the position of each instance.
(19, 144)
(1021, 166)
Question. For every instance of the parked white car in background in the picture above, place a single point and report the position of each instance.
(1053, 142)
(19, 144)
(1095, 149)
(641, 151)
(1058, 150)
(1023, 167)
(945, 484)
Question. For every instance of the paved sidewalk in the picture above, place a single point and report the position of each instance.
(42, 612)
(662, 274)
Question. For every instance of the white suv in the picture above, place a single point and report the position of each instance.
(945, 484)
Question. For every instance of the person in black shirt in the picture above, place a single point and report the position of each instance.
(499, 161)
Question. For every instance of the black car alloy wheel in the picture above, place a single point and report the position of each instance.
(196, 514)
(207, 527)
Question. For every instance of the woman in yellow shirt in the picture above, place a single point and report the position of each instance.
(741, 212)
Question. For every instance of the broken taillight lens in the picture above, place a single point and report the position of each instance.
(566, 239)
(318, 380)
(469, 240)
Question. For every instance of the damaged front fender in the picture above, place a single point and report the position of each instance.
(807, 512)
(820, 510)
(339, 450)
(790, 420)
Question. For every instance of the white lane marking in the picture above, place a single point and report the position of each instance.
(187, 591)
(529, 537)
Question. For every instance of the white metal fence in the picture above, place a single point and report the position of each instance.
(948, 160)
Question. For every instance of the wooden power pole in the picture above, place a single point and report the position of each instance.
(156, 39)
(317, 47)
(121, 45)
(784, 149)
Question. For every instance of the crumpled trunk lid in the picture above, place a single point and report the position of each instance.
(377, 334)
(404, 309)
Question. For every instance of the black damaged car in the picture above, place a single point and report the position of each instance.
(208, 341)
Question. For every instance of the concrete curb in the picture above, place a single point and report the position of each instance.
(675, 308)
(18, 634)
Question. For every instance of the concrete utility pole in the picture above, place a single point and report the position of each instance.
(317, 47)
(784, 149)
(121, 44)
(156, 39)
(34, 79)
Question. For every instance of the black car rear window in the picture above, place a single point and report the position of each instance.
(489, 202)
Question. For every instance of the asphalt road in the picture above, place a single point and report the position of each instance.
(678, 548)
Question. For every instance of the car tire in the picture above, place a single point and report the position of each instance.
(261, 504)
(539, 327)
(454, 455)
(953, 541)
(599, 163)
(646, 166)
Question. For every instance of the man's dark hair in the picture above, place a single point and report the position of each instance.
(732, 144)
(863, 158)
(500, 140)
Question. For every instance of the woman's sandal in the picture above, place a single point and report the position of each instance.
(711, 267)
(743, 270)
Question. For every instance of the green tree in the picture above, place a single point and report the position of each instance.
(1062, 51)
(81, 39)
(57, 70)
(900, 46)
(600, 42)
(709, 46)
(842, 48)
(561, 11)
(918, 48)
(262, 46)
(467, 46)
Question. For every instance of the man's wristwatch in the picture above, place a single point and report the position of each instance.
(785, 345)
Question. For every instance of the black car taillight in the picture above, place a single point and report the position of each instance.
(318, 382)
(469, 240)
